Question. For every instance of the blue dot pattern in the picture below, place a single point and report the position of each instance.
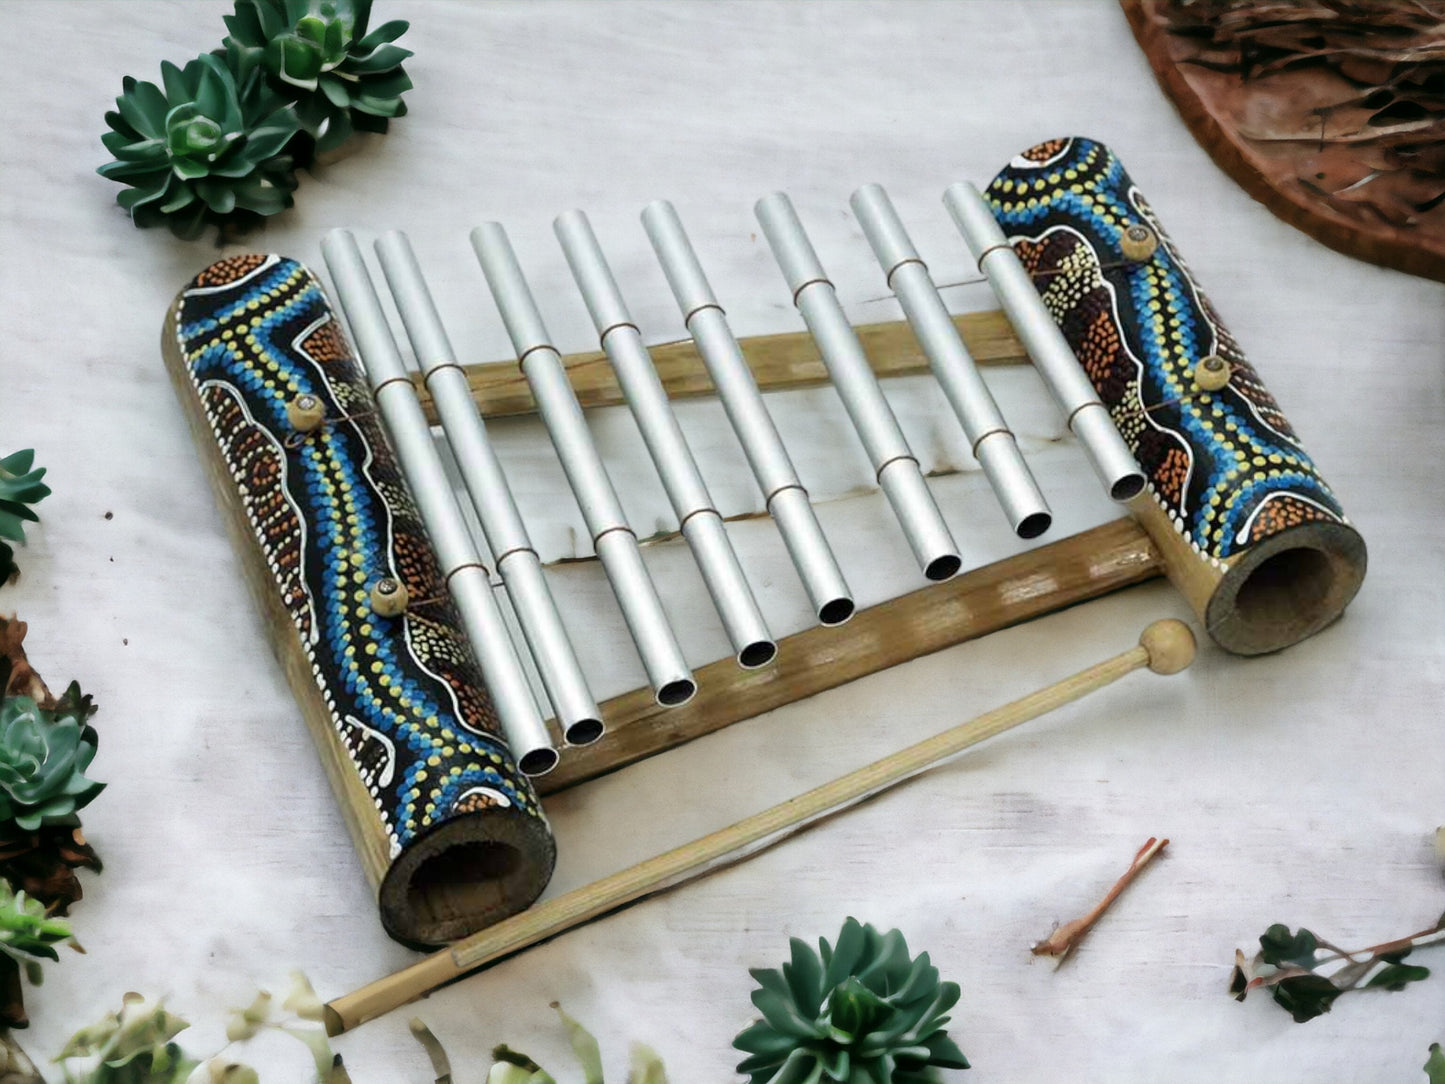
(332, 515)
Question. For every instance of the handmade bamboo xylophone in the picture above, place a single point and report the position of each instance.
(382, 612)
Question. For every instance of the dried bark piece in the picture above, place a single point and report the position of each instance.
(22, 680)
(1332, 113)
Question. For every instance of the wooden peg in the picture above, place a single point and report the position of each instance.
(389, 597)
(306, 413)
(1211, 373)
(1138, 242)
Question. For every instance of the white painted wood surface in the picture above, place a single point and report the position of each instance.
(1302, 788)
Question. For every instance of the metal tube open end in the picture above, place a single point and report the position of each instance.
(535, 762)
(675, 693)
(584, 731)
(836, 611)
(756, 654)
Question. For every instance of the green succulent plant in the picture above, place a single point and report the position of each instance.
(860, 1012)
(204, 149)
(26, 930)
(43, 756)
(319, 54)
(20, 486)
(133, 1046)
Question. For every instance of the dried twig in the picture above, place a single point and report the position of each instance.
(1063, 940)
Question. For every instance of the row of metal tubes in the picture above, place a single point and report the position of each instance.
(896, 468)
(496, 508)
(467, 579)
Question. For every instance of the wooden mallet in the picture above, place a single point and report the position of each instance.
(1165, 647)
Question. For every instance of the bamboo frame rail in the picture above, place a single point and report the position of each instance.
(1075, 569)
(781, 361)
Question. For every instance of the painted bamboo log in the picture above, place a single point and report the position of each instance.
(449, 831)
(1250, 533)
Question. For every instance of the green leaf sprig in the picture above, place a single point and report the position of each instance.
(1305, 975)
(20, 487)
(860, 1010)
(137, 1044)
(513, 1067)
(27, 932)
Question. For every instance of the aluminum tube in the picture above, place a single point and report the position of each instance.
(616, 544)
(786, 499)
(989, 436)
(517, 562)
(1087, 416)
(853, 376)
(702, 525)
(672, 682)
(467, 580)
(562, 675)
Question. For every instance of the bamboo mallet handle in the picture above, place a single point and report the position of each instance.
(1166, 647)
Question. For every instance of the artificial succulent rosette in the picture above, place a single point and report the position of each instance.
(202, 149)
(861, 1011)
(321, 55)
(44, 752)
(20, 487)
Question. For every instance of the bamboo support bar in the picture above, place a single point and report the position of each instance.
(1166, 647)
(1083, 566)
(786, 360)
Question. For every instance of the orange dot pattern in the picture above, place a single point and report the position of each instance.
(1282, 512)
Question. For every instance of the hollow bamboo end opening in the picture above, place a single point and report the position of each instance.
(464, 875)
(1286, 588)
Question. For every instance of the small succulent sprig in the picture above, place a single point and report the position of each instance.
(137, 1044)
(202, 149)
(1305, 974)
(513, 1067)
(27, 933)
(20, 487)
(1435, 1065)
(320, 55)
(301, 1015)
(860, 1010)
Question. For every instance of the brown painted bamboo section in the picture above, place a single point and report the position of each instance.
(785, 360)
(1166, 647)
(1008, 592)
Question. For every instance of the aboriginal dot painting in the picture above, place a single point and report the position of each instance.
(1225, 466)
(333, 517)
